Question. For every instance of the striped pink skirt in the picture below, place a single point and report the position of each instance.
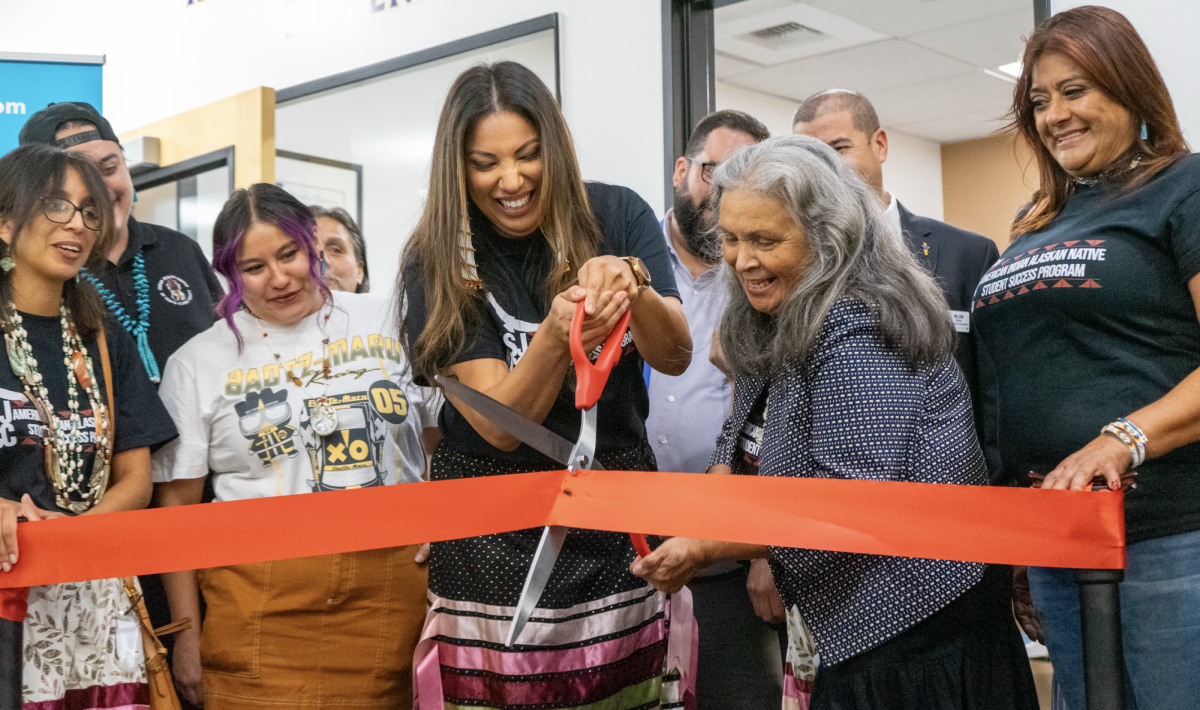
(629, 651)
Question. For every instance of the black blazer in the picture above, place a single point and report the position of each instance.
(957, 259)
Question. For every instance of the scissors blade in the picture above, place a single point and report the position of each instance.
(582, 457)
(539, 574)
(535, 435)
(583, 454)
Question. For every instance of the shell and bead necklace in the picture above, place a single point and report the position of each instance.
(323, 416)
(75, 489)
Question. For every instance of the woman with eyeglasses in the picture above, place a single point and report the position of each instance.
(59, 453)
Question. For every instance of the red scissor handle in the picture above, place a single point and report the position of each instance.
(590, 379)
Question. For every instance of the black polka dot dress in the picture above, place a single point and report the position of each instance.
(855, 409)
(599, 637)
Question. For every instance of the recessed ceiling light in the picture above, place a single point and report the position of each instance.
(1013, 69)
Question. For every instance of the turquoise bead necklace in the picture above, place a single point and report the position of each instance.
(139, 329)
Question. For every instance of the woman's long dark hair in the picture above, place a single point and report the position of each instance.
(261, 203)
(566, 219)
(28, 176)
(1110, 52)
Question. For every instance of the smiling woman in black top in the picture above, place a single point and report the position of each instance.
(510, 241)
(1091, 319)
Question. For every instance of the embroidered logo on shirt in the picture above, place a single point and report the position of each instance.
(175, 290)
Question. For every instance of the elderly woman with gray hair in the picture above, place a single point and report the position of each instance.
(844, 369)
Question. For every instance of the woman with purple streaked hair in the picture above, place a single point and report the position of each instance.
(295, 390)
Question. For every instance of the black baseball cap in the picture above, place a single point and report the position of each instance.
(42, 127)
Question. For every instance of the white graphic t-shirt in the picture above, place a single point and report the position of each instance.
(239, 416)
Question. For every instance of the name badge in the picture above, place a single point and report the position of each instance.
(961, 320)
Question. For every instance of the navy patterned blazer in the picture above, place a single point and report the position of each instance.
(855, 409)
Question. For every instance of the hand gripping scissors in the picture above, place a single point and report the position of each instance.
(590, 381)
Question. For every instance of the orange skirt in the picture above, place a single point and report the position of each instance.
(329, 631)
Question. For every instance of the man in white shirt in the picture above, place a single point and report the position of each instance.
(739, 663)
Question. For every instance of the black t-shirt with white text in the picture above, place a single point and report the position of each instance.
(512, 308)
(751, 436)
(141, 418)
(1091, 319)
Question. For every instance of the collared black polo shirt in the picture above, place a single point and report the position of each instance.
(183, 287)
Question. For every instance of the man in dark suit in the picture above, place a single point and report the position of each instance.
(846, 121)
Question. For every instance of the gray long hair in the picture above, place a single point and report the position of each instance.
(854, 253)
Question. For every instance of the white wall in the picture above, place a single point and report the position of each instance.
(166, 56)
(387, 125)
(1168, 27)
(913, 171)
(773, 111)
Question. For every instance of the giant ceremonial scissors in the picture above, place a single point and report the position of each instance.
(589, 384)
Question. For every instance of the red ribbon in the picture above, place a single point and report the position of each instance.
(1001, 525)
(14, 603)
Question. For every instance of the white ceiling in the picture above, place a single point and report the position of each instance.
(921, 62)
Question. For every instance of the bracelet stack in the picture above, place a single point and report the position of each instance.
(1130, 435)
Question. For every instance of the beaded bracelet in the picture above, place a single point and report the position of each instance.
(1134, 431)
(1129, 434)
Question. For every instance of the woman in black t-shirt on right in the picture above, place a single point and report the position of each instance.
(511, 239)
(1090, 317)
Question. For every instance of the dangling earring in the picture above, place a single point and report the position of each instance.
(135, 195)
(470, 272)
(7, 264)
(1145, 133)
(324, 265)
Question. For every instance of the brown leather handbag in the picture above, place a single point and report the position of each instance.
(158, 671)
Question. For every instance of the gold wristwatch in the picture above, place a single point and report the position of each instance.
(639, 272)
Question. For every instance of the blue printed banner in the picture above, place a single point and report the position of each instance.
(28, 87)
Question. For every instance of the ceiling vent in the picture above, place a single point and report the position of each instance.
(783, 36)
(772, 32)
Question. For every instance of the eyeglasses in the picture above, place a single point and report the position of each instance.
(706, 169)
(62, 211)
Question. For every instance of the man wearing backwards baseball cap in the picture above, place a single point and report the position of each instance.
(157, 282)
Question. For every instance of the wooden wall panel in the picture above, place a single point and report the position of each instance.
(246, 121)
(984, 182)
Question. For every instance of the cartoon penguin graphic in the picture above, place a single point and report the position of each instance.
(263, 419)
